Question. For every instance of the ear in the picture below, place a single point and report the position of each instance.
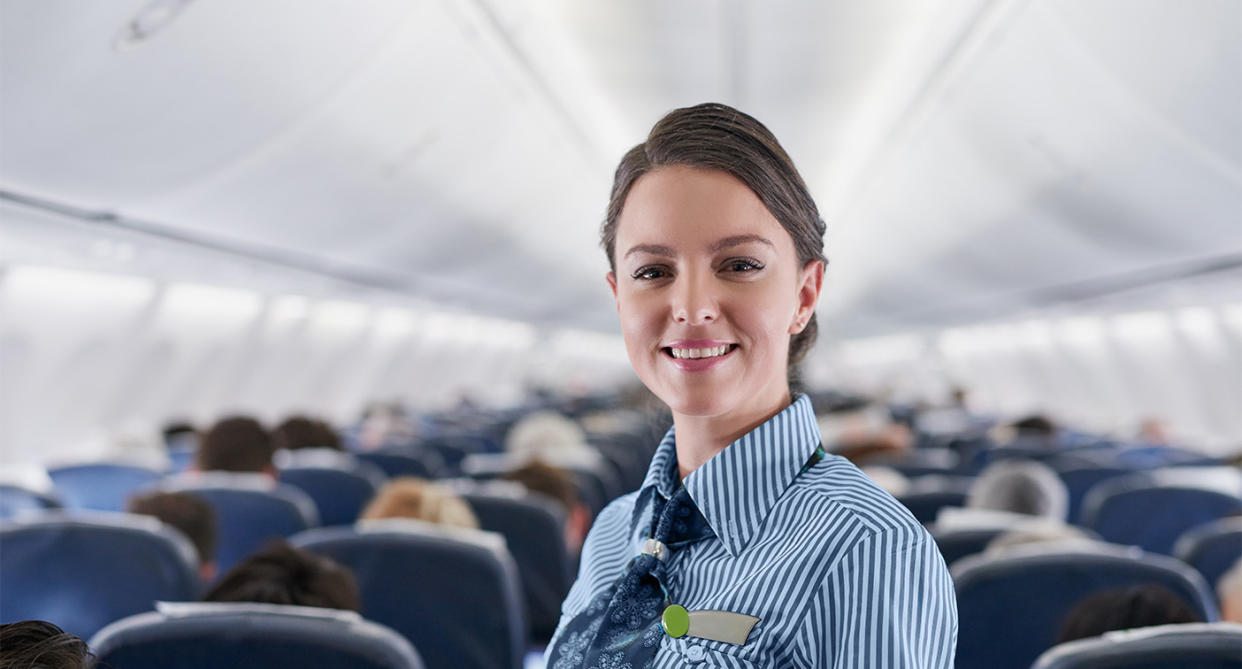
(612, 283)
(809, 285)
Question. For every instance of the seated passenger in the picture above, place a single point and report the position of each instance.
(1020, 486)
(36, 644)
(191, 516)
(1137, 606)
(282, 574)
(420, 499)
(237, 444)
(555, 482)
(298, 432)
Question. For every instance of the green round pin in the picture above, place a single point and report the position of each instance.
(675, 621)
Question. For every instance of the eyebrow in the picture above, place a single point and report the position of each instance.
(726, 243)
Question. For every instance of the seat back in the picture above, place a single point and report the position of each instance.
(203, 635)
(395, 463)
(1212, 548)
(16, 499)
(250, 510)
(453, 593)
(1187, 646)
(83, 571)
(1151, 512)
(1079, 480)
(534, 531)
(1011, 604)
(340, 490)
(959, 543)
(926, 504)
(100, 486)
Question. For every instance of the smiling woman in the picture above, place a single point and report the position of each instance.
(746, 545)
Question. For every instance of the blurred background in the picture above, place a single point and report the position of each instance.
(268, 207)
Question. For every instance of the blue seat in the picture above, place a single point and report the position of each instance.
(958, 543)
(340, 487)
(1186, 646)
(203, 635)
(453, 593)
(84, 571)
(395, 463)
(1151, 510)
(250, 510)
(926, 504)
(1011, 604)
(100, 486)
(180, 459)
(1079, 480)
(16, 499)
(1212, 548)
(534, 530)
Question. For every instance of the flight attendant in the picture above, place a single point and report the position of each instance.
(746, 545)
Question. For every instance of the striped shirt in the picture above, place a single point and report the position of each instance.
(837, 571)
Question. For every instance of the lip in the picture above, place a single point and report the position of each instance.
(698, 364)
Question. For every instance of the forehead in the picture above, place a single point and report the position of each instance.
(687, 207)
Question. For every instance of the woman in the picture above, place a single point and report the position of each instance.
(746, 546)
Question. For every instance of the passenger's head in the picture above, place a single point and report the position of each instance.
(1020, 486)
(711, 194)
(297, 432)
(1035, 425)
(282, 574)
(1137, 606)
(180, 434)
(238, 444)
(190, 515)
(558, 484)
(420, 499)
(36, 644)
(1229, 592)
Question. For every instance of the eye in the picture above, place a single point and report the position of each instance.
(742, 265)
(649, 273)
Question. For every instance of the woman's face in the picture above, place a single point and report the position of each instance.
(709, 289)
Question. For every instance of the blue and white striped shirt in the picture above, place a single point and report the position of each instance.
(837, 571)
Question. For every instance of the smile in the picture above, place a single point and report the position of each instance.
(694, 353)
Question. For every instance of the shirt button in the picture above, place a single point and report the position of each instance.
(695, 653)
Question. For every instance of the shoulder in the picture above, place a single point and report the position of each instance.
(836, 488)
(609, 534)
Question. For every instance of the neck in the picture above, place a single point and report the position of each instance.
(699, 438)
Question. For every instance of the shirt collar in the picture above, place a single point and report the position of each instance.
(738, 486)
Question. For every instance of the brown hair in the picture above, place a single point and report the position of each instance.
(714, 136)
(283, 574)
(544, 479)
(190, 515)
(238, 444)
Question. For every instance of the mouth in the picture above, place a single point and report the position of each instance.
(679, 353)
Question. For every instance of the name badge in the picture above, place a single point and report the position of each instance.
(724, 626)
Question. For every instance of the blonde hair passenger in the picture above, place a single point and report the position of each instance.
(420, 499)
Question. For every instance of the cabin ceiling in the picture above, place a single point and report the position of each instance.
(973, 159)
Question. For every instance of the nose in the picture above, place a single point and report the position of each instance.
(694, 301)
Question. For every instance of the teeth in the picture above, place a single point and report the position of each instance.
(700, 352)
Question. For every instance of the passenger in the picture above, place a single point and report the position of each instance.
(1020, 486)
(756, 547)
(302, 432)
(282, 574)
(180, 435)
(558, 484)
(238, 444)
(549, 436)
(1137, 606)
(1229, 592)
(191, 516)
(420, 499)
(36, 644)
